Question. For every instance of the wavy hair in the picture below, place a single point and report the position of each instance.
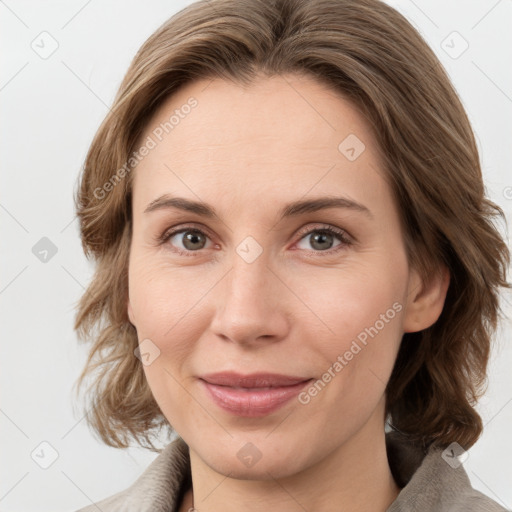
(370, 54)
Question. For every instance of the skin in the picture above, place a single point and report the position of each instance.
(248, 151)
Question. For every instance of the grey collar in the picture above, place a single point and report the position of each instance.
(428, 482)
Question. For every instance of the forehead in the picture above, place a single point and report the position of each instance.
(280, 134)
(291, 108)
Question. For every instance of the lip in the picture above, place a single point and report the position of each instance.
(254, 395)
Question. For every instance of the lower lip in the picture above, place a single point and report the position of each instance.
(252, 403)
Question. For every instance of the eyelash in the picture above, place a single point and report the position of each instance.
(303, 233)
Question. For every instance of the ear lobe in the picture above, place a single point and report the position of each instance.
(425, 300)
(130, 312)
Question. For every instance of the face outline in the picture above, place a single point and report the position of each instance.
(215, 311)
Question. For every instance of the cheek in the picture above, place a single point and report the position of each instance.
(171, 392)
(165, 304)
(169, 308)
(354, 335)
(162, 296)
(347, 305)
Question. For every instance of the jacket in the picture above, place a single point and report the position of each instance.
(428, 482)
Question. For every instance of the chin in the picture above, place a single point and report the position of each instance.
(268, 469)
(259, 459)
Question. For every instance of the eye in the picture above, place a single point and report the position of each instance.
(321, 239)
(191, 240)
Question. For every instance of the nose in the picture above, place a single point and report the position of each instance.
(250, 306)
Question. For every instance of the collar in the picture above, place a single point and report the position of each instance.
(428, 482)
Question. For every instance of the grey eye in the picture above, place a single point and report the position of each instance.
(319, 240)
(191, 240)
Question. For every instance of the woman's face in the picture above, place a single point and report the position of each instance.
(251, 284)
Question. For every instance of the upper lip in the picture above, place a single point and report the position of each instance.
(253, 380)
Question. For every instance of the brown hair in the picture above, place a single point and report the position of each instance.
(371, 54)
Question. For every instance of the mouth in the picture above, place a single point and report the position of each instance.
(252, 395)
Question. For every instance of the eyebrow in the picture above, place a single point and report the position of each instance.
(290, 210)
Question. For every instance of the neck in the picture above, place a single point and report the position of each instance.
(355, 477)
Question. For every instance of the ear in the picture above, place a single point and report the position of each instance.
(425, 300)
(130, 312)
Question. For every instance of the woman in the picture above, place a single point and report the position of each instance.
(247, 135)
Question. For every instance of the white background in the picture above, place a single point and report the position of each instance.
(51, 109)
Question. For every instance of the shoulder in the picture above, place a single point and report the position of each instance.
(157, 489)
(432, 481)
